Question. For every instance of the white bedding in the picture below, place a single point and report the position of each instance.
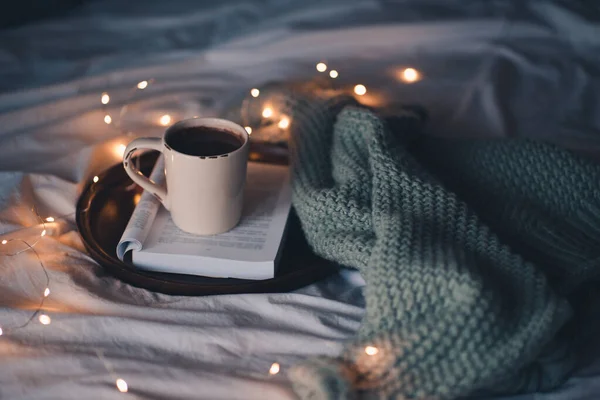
(490, 68)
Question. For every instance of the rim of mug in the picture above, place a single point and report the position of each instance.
(209, 122)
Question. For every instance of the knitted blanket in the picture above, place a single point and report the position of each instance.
(480, 256)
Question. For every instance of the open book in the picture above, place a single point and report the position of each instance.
(248, 251)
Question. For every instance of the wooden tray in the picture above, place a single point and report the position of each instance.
(104, 209)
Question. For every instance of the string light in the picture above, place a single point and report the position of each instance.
(284, 123)
(29, 246)
(407, 75)
(165, 120)
(105, 99)
(267, 112)
(274, 370)
(410, 75)
(43, 319)
(122, 385)
(360, 90)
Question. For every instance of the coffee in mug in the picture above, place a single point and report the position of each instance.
(205, 168)
(204, 141)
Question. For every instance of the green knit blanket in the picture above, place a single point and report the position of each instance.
(481, 257)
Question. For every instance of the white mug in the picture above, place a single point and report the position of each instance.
(204, 193)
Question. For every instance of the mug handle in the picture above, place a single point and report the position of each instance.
(136, 175)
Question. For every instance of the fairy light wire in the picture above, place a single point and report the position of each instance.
(45, 319)
(6, 241)
(44, 232)
(110, 117)
(6, 329)
(121, 384)
(267, 115)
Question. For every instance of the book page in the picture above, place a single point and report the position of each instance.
(267, 202)
(143, 215)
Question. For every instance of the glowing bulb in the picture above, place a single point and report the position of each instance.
(105, 98)
(47, 292)
(284, 123)
(1, 332)
(267, 112)
(371, 351)
(120, 150)
(96, 179)
(333, 73)
(142, 85)
(360, 90)
(136, 198)
(254, 92)
(44, 232)
(50, 219)
(274, 370)
(122, 385)
(107, 119)
(321, 67)
(410, 75)
(165, 120)
(248, 129)
(4, 241)
(44, 319)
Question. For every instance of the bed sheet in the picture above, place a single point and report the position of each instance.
(495, 68)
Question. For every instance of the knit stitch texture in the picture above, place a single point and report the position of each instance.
(474, 253)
